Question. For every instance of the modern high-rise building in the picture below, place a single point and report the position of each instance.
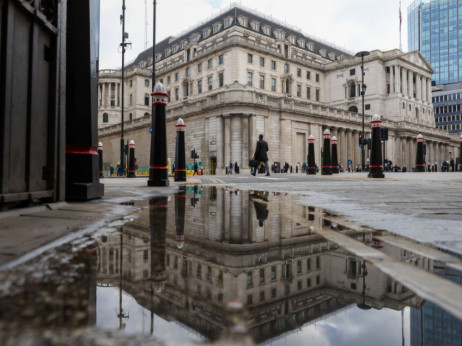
(435, 28)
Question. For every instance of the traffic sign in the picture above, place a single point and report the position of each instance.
(150, 129)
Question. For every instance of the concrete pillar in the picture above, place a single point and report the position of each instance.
(349, 146)
(220, 141)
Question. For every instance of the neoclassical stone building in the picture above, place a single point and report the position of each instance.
(241, 73)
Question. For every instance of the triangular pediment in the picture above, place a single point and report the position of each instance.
(416, 58)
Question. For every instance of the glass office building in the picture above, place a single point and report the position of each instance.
(435, 28)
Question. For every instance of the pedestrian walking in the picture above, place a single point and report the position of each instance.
(111, 169)
(231, 166)
(236, 167)
(261, 155)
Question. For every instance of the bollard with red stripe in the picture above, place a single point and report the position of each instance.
(180, 212)
(158, 207)
(311, 159)
(375, 167)
(100, 154)
(131, 159)
(325, 166)
(419, 161)
(334, 164)
(158, 170)
(180, 156)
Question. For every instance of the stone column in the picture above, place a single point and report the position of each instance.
(220, 141)
(429, 90)
(342, 145)
(418, 86)
(227, 138)
(405, 82)
(423, 86)
(349, 146)
(356, 149)
(396, 151)
(398, 79)
(392, 80)
(245, 141)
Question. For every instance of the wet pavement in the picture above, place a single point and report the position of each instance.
(240, 261)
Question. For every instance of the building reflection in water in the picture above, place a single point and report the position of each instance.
(285, 275)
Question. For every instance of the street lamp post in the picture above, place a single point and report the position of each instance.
(362, 54)
(123, 45)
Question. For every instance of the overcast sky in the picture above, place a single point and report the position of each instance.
(354, 25)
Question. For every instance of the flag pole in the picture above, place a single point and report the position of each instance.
(400, 20)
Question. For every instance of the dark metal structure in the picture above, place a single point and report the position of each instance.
(48, 110)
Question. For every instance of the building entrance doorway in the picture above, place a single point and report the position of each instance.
(213, 163)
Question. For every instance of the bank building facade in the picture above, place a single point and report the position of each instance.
(242, 73)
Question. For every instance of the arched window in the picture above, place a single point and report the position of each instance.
(146, 99)
(131, 116)
(146, 114)
(105, 118)
(353, 109)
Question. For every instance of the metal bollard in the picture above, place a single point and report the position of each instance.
(375, 167)
(325, 167)
(100, 154)
(180, 155)
(334, 164)
(311, 169)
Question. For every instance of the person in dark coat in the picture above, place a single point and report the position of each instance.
(261, 208)
(261, 155)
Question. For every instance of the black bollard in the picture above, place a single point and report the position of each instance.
(180, 156)
(131, 159)
(325, 167)
(375, 167)
(100, 154)
(158, 170)
(419, 161)
(180, 211)
(334, 164)
(158, 207)
(311, 169)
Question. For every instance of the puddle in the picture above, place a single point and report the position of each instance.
(214, 264)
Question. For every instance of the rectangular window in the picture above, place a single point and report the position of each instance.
(210, 82)
(299, 284)
(131, 83)
(262, 275)
(146, 82)
(318, 280)
(199, 271)
(249, 58)
(273, 293)
(177, 94)
(188, 71)
(199, 86)
(299, 72)
(273, 84)
(220, 80)
(262, 62)
(286, 68)
(317, 77)
(175, 262)
(168, 93)
(308, 282)
(318, 95)
(249, 279)
(308, 75)
(262, 296)
(273, 64)
(168, 80)
(318, 262)
(177, 77)
(299, 90)
(210, 63)
(262, 82)
(199, 67)
(209, 273)
(308, 264)
(273, 273)
(249, 299)
(353, 71)
(299, 267)
(367, 107)
(249, 78)
(308, 93)
(220, 60)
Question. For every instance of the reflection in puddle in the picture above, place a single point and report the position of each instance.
(214, 264)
